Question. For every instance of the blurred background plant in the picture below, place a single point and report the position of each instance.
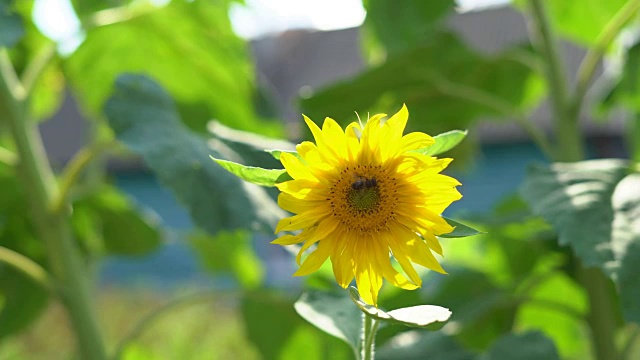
(133, 98)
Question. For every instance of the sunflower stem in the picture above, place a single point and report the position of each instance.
(369, 329)
(65, 261)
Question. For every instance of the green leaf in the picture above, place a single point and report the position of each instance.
(144, 117)
(201, 63)
(332, 313)
(123, 227)
(254, 175)
(460, 230)
(430, 317)
(230, 252)
(626, 232)
(527, 346)
(420, 20)
(11, 25)
(575, 198)
(444, 142)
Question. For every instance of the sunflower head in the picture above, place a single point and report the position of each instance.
(363, 195)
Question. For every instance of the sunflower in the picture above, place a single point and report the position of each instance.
(363, 195)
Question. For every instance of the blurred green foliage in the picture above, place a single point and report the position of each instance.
(152, 77)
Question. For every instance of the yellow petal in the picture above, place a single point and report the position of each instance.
(320, 232)
(353, 132)
(302, 220)
(384, 264)
(416, 140)
(417, 250)
(287, 239)
(295, 205)
(322, 142)
(332, 130)
(295, 168)
(313, 262)
(400, 255)
(368, 280)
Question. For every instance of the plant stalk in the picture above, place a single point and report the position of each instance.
(569, 145)
(570, 148)
(601, 317)
(369, 329)
(53, 228)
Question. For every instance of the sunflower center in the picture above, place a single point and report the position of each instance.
(364, 194)
(363, 197)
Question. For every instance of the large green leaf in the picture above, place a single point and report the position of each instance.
(527, 346)
(144, 117)
(11, 25)
(417, 21)
(332, 313)
(189, 47)
(428, 79)
(576, 199)
(116, 222)
(230, 252)
(626, 230)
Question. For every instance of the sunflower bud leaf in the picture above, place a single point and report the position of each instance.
(444, 142)
(429, 317)
(254, 175)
